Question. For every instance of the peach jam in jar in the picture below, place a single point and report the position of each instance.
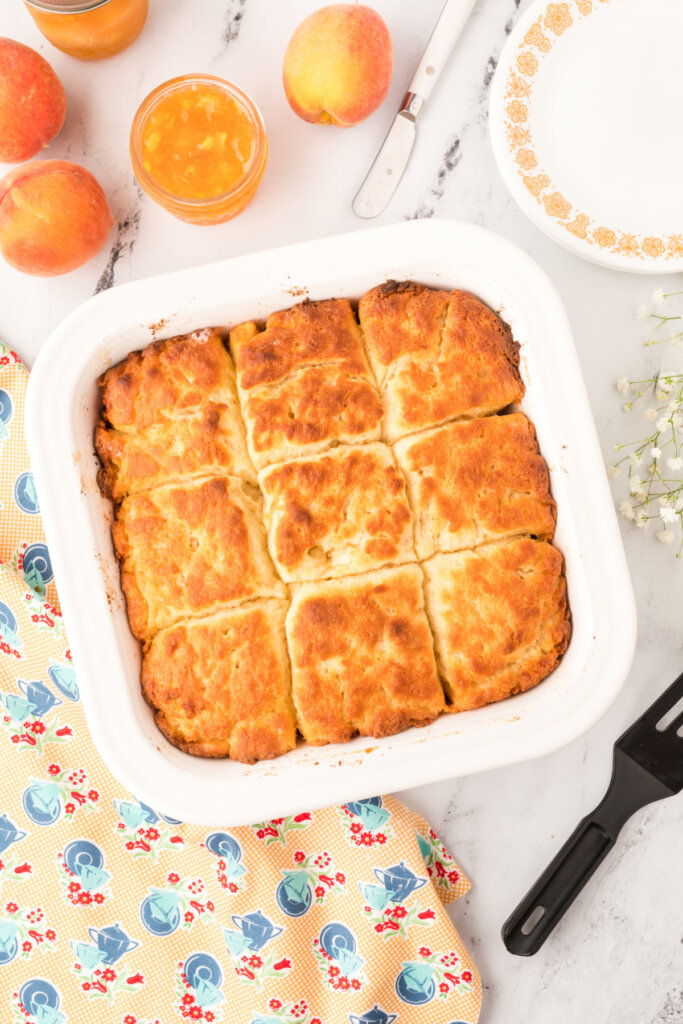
(198, 147)
(89, 29)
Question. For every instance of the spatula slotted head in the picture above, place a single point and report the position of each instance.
(655, 740)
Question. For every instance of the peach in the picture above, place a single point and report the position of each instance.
(32, 102)
(53, 217)
(338, 65)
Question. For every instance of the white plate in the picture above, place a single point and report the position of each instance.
(62, 408)
(585, 122)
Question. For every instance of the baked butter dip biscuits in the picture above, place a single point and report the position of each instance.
(331, 524)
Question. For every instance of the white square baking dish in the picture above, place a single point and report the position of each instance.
(62, 408)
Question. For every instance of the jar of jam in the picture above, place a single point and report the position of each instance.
(89, 29)
(199, 148)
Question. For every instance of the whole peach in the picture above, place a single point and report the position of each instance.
(53, 217)
(32, 102)
(338, 65)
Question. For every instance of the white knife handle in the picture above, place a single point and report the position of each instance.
(447, 29)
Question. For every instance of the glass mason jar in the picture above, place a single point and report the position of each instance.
(199, 148)
(89, 29)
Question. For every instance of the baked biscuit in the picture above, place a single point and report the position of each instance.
(337, 514)
(308, 334)
(304, 382)
(362, 657)
(437, 356)
(170, 412)
(475, 481)
(220, 685)
(189, 549)
(500, 619)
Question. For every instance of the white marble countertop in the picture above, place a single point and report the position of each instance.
(618, 955)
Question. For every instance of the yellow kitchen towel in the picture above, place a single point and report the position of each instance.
(112, 911)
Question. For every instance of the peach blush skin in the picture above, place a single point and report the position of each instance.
(53, 217)
(32, 102)
(338, 65)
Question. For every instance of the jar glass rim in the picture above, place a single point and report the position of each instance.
(146, 107)
(66, 6)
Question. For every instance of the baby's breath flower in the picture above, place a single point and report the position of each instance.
(643, 312)
(653, 464)
(658, 296)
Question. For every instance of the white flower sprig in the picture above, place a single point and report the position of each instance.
(654, 463)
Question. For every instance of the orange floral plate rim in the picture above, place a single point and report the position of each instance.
(534, 36)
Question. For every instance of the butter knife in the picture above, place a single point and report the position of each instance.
(391, 161)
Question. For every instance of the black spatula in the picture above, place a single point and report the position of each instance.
(648, 766)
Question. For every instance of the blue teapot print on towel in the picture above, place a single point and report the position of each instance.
(376, 896)
(370, 811)
(400, 880)
(160, 911)
(9, 944)
(37, 568)
(39, 697)
(112, 943)
(294, 894)
(41, 999)
(9, 627)
(133, 815)
(25, 494)
(9, 833)
(223, 845)
(374, 1016)
(5, 411)
(339, 942)
(63, 677)
(254, 931)
(415, 984)
(86, 861)
(205, 977)
(42, 802)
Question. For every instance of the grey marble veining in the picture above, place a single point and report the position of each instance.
(617, 957)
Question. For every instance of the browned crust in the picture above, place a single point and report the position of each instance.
(500, 619)
(475, 481)
(221, 687)
(339, 513)
(437, 356)
(362, 656)
(189, 549)
(307, 334)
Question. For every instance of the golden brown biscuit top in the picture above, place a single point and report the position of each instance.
(500, 617)
(307, 411)
(472, 481)
(362, 656)
(437, 356)
(188, 549)
(221, 684)
(339, 513)
(168, 376)
(401, 318)
(310, 332)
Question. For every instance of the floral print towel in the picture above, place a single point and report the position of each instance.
(111, 911)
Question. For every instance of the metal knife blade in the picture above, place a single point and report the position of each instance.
(390, 163)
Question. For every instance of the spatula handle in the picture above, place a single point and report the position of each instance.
(630, 788)
(544, 905)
